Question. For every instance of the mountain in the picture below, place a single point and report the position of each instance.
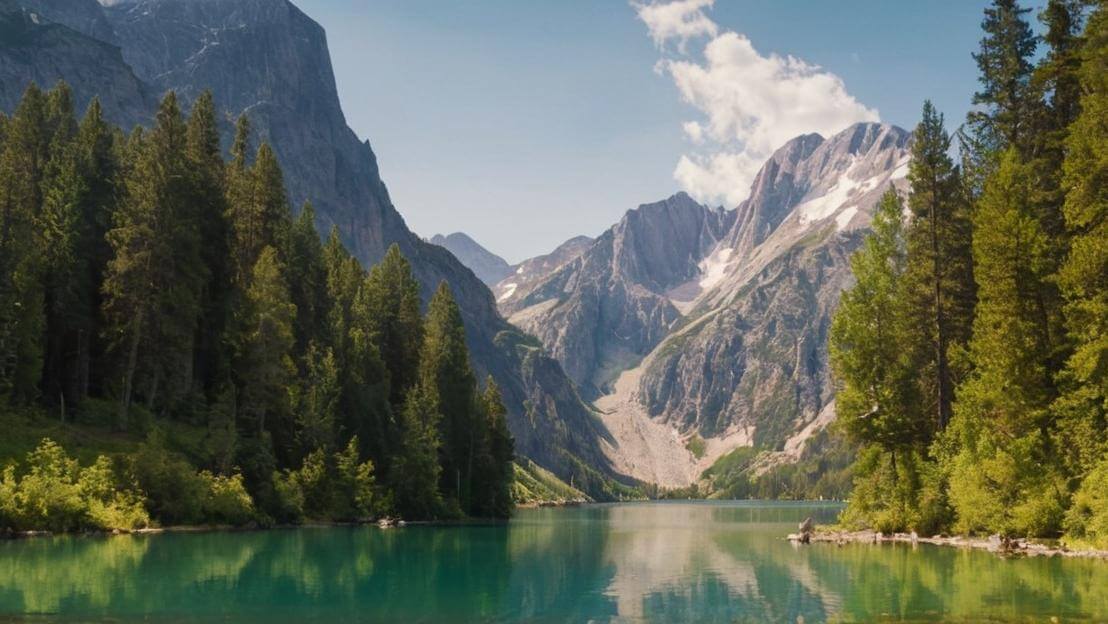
(35, 48)
(697, 330)
(487, 266)
(269, 60)
(605, 309)
(527, 273)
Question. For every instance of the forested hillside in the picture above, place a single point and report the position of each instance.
(972, 353)
(150, 289)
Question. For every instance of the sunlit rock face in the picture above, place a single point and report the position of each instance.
(714, 323)
(601, 312)
(753, 349)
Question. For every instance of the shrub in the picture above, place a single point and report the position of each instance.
(57, 495)
(226, 500)
(175, 492)
(1001, 488)
(48, 496)
(354, 491)
(1087, 519)
(289, 504)
(110, 507)
(887, 487)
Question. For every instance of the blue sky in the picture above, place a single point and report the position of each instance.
(526, 123)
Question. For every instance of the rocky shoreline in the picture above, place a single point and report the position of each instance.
(995, 544)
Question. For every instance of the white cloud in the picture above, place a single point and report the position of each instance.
(694, 131)
(751, 104)
(720, 176)
(681, 20)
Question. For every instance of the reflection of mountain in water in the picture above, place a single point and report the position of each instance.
(663, 562)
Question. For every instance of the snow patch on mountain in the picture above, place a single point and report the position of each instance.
(714, 267)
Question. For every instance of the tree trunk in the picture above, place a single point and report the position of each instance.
(129, 374)
(941, 366)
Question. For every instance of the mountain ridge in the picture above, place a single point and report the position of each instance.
(735, 341)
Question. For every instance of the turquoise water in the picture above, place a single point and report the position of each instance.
(650, 562)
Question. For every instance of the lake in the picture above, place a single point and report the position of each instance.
(640, 562)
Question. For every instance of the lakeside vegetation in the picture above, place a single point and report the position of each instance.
(207, 356)
(972, 353)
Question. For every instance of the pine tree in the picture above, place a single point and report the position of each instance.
(265, 367)
(939, 274)
(22, 165)
(446, 374)
(392, 307)
(416, 471)
(208, 218)
(364, 380)
(317, 401)
(259, 212)
(877, 401)
(60, 228)
(1083, 408)
(308, 281)
(1001, 425)
(99, 153)
(1004, 61)
(494, 485)
(153, 283)
(240, 191)
(1010, 347)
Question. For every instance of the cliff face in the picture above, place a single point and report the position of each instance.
(269, 60)
(36, 49)
(752, 353)
(601, 312)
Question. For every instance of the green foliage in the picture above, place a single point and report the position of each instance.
(533, 484)
(938, 279)
(416, 469)
(177, 494)
(696, 446)
(1087, 518)
(391, 305)
(1005, 64)
(145, 280)
(877, 400)
(225, 499)
(338, 486)
(56, 494)
(450, 385)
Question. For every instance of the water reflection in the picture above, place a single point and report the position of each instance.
(626, 563)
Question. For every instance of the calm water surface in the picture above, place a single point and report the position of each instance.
(656, 562)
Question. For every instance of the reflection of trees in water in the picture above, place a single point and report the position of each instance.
(40, 575)
(657, 563)
(897, 581)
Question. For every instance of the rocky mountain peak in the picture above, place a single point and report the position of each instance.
(487, 266)
(659, 245)
(808, 167)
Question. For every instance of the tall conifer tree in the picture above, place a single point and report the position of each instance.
(446, 374)
(939, 274)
